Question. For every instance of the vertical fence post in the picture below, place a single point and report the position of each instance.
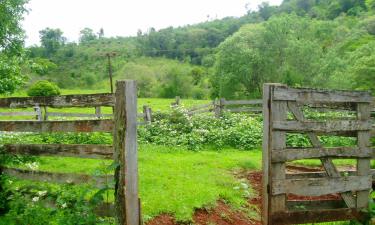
(125, 149)
(98, 112)
(219, 106)
(45, 118)
(38, 112)
(363, 141)
(272, 140)
(147, 114)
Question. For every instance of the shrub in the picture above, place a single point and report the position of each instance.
(43, 88)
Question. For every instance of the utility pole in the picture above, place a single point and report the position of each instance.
(109, 55)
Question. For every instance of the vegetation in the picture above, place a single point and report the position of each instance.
(43, 88)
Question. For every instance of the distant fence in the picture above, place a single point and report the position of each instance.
(42, 113)
(124, 149)
(284, 114)
(219, 106)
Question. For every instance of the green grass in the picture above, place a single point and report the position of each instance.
(176, 181)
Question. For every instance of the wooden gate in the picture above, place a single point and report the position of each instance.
(123, 151)
(286, 111)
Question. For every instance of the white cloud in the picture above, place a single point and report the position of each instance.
(125, 17)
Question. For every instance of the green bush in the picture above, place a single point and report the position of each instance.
(43, 88)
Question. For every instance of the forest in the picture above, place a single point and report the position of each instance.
(300, 43)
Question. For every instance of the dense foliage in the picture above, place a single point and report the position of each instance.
(11, 44)
(43, 88)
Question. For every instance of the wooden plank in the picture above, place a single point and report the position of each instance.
(194, 108)
(61, 178)
(313, 153)
(321, 186)
(200, 111)
(239, 110)
(243, 102)
(278, 142)
(317, 95)
(18, 113)
(87, 100)
(340, 126)
(81, 151)
(317, 174)
(363, 165)
(58, 126)
(327, 162)
(87, 115)
(125, 145)
(266, 148)
(297, 205)
(131, 155)
(316, 216)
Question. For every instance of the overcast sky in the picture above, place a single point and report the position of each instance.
(125, 17)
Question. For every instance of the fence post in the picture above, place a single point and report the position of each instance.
(147, 114)
(176, 102)
(219, 106)
(363, 141)
(45, 118)
(98, 112)
(272, 140)
(125, 153)
(38, 111)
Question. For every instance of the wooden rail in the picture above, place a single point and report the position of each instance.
(89, 100)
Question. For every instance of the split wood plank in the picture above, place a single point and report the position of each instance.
(278, 142)
(61, 178)
(243, 102)
(321, 186)
(125, 145)
(316, 96)
(292, 154)
(87, 100)
(58, 126)
(315, 216)
(70, 150)
(323, 127)
(363, 165)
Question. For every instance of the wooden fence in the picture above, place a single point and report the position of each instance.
(219, 106)
(280, 105)
(42, 114)
(124, 150)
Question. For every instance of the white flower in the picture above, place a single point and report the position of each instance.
(63, 206)
(10, 181)
(32, 166)
(42, 193)
(35, 199)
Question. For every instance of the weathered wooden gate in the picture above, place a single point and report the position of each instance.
(123, 151)
(285, 111)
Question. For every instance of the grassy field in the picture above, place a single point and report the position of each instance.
(177, 181)
(174, 180)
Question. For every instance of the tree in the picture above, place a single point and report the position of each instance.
(101, 33)
(51, 40)
(87, 35)
(11, 44)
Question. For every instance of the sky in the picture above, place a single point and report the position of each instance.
(126, 17)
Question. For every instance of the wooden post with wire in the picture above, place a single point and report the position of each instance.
(109, 55)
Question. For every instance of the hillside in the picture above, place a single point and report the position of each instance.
(301, 43)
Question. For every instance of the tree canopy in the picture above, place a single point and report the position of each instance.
(11, 44)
